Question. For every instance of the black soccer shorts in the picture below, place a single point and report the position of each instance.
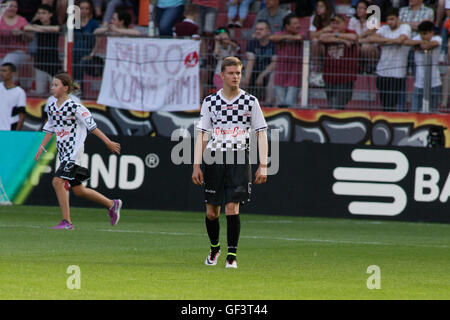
(75, 174)
(225, 183)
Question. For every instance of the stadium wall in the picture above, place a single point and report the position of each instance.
(294, 125)
(314, 180)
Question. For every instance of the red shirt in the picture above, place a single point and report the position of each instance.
(341, 62)
(9, 42)
(288, 69)
(187, 28)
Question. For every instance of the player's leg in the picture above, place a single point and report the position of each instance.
(233, 232)
(92, 195)
(63, 200)
(238, 189)
(113, 206)
(214, 176)
(213, 230)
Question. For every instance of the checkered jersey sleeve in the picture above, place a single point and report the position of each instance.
(205, 123)
(49, 126)
(84, 116)
(258, 122)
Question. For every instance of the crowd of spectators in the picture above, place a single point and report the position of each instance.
(342, 45)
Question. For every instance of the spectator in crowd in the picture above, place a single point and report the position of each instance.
(288, 67)
(113, 6)
(303, 8)
(14, 43)
(235, 8)
(223, 48)
(120, 25)
(206, 21)
(440, 12)
(168, 12)
(52, 5)
(207, 15)
(414, 14)
(426, 40)
(368, 53)
(188, 27)
(340, 66)
(84, 41)
(27, 8)
(13, 100)
(273, 14)
(320, 23)
(320, 20)
(392, 65)
(46, 59)
(446, 55)
(260, 66)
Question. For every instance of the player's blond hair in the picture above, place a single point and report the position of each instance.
(66, 80)
(230, 61)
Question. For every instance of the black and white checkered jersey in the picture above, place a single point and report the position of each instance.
(230, 122)
(70, 123)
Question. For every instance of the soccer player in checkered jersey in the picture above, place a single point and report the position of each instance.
(226, 121)
(70, 122)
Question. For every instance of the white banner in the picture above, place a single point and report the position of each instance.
(151, 74)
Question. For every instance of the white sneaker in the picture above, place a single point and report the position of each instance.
(231, 265)
(212, 260)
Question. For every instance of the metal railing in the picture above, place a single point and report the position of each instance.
(334, 79)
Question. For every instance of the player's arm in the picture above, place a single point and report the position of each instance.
(263, 147)
(114, 147)
(48, 136)
(258, 123)
(200, 145)
(204, 127)
(84, 115)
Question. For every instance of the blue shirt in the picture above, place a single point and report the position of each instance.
(169, 3)
(84, 39)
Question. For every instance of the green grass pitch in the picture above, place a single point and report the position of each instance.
(160, 255)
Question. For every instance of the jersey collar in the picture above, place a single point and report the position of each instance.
(241, 92)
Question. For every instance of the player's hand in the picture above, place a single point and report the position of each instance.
(39, 153)
(197, 176)
(261, 175)
(114, 147)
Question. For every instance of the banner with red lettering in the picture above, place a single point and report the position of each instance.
(151, 74)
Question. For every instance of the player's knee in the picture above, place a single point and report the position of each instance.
(78, 191)
(57, 182)
(212, 214)
(232, 208)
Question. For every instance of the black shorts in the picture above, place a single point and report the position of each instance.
(72, 172)
(225, 183)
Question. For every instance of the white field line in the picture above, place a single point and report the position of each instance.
(184, 234)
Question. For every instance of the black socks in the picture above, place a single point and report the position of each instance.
(233, 231)
(213, 229)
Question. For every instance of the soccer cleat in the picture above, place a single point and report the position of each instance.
(114, 212)
(63, 225)
(231, 264)
(213, 256)
(231, 260)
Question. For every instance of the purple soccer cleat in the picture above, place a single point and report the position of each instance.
(63, 225)
(114, 212)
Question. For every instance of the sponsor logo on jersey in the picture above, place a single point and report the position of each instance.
(62, 133)
(231, 131)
